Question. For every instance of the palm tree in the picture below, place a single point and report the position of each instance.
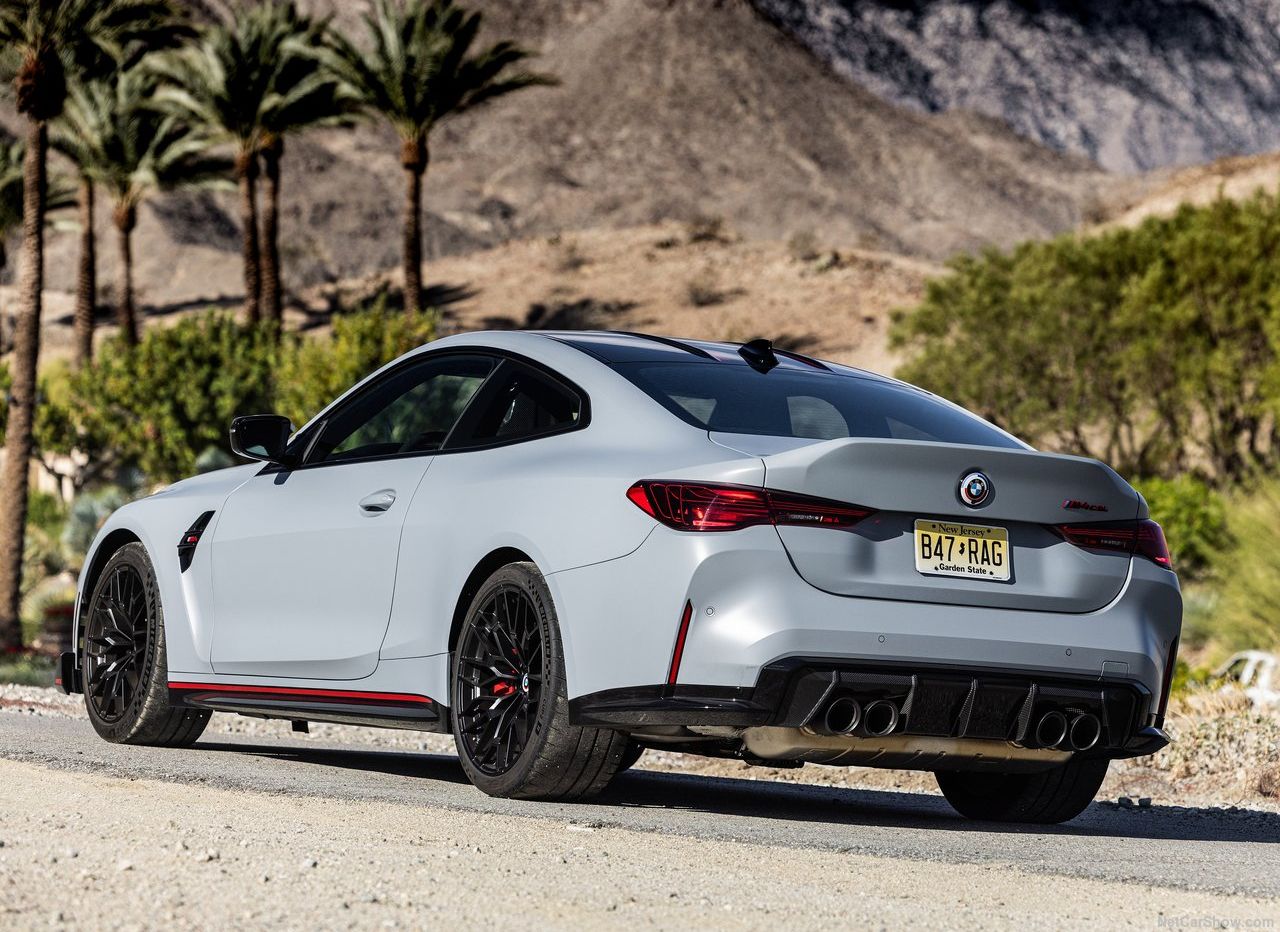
(84, 152)
(305, 94)
(250, 80)
(419, 70)
(58, 194)
(41, 42)
(130, 148)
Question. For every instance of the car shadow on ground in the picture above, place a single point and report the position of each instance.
(803, 803)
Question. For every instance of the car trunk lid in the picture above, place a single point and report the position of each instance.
(908, 481)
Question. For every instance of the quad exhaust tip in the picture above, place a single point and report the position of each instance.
(1085, 732)
(1079, 733)
(880, 718)
(1051, 730)
(843, 716)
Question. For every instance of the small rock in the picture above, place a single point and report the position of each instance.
(124, 866)
(1144, 802)
(1126, 802)
(310, 863)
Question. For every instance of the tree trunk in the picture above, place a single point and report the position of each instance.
(413, 156)
(86, 278)
(247, 174)
(126, 218)
(272, 304)
(14, 483)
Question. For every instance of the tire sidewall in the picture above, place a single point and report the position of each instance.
(153, 679)
(526, 577)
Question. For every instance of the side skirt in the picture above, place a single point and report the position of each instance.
(336, 706)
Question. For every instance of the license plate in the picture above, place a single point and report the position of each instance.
(973, 551)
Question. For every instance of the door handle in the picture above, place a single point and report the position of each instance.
(376, 503)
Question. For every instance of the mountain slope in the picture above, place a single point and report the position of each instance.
(1133, 85)
(667, 109)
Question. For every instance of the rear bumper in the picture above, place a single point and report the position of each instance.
(982, 705)
(753, 614)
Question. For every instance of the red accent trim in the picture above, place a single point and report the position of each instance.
(678, 653)
(391, 698)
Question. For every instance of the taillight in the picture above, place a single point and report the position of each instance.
(698, 506)
(1132, 538)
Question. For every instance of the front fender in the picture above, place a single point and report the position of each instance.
(158, 522)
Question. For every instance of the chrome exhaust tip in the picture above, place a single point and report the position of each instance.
(880, 718)
(1085, 732)
(1051, 730)
(842, 716)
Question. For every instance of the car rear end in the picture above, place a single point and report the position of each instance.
(906, 586)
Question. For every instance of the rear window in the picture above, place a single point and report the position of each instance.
(819, 406)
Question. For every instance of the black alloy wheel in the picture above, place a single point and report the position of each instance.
(117, 641)
(509, 700)
(125, 660)
(500, 672)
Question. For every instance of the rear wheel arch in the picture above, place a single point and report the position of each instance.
(492, 562)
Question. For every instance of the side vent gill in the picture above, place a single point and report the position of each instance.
(190, 538)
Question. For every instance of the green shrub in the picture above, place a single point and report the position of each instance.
(314, 372)
(160, 404)
(1152, 348)
(1194, 518)
(1246, 613)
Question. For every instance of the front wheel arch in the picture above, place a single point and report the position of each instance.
(114, 540)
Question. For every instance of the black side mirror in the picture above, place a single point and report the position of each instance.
(262, 437)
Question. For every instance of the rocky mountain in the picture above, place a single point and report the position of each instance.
(1131, 84)
(667, 109)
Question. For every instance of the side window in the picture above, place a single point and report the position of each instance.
(409, 411)
(525, 404)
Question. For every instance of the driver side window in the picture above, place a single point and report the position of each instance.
(409, 411)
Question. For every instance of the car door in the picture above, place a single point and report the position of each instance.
(304, 559)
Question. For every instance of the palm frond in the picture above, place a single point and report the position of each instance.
(419, 66)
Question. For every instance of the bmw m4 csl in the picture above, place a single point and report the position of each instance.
(564, 548)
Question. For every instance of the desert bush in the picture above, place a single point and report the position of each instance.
(803, 246)
(312, 373)
(1153, 348)
(1194, 518)
(703, 290)
(707, 229)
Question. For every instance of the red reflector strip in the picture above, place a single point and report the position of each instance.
(267, 691)
(678, 652)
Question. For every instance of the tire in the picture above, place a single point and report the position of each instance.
(1046, 798)
(126, 672)
(631, 756)
(511, 716)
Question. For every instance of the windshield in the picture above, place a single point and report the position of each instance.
(819, 406)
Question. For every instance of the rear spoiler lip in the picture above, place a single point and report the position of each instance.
(792, 468)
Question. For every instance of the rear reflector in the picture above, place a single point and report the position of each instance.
(698, 506)
(1131, 538)
(678, 651)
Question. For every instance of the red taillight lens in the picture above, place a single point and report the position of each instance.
(1132, 538)
(697, 506)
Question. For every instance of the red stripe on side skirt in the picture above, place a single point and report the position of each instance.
(685, 618)
(393, 698)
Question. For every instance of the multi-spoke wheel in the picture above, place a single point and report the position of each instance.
(510, 705)
(499, 679)
(125, 668)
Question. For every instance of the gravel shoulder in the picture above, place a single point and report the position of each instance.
(145, 853)
(257, 827)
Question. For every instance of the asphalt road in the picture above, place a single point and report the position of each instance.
(1218, 851)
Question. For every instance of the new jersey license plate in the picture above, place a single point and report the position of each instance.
(944, 548)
